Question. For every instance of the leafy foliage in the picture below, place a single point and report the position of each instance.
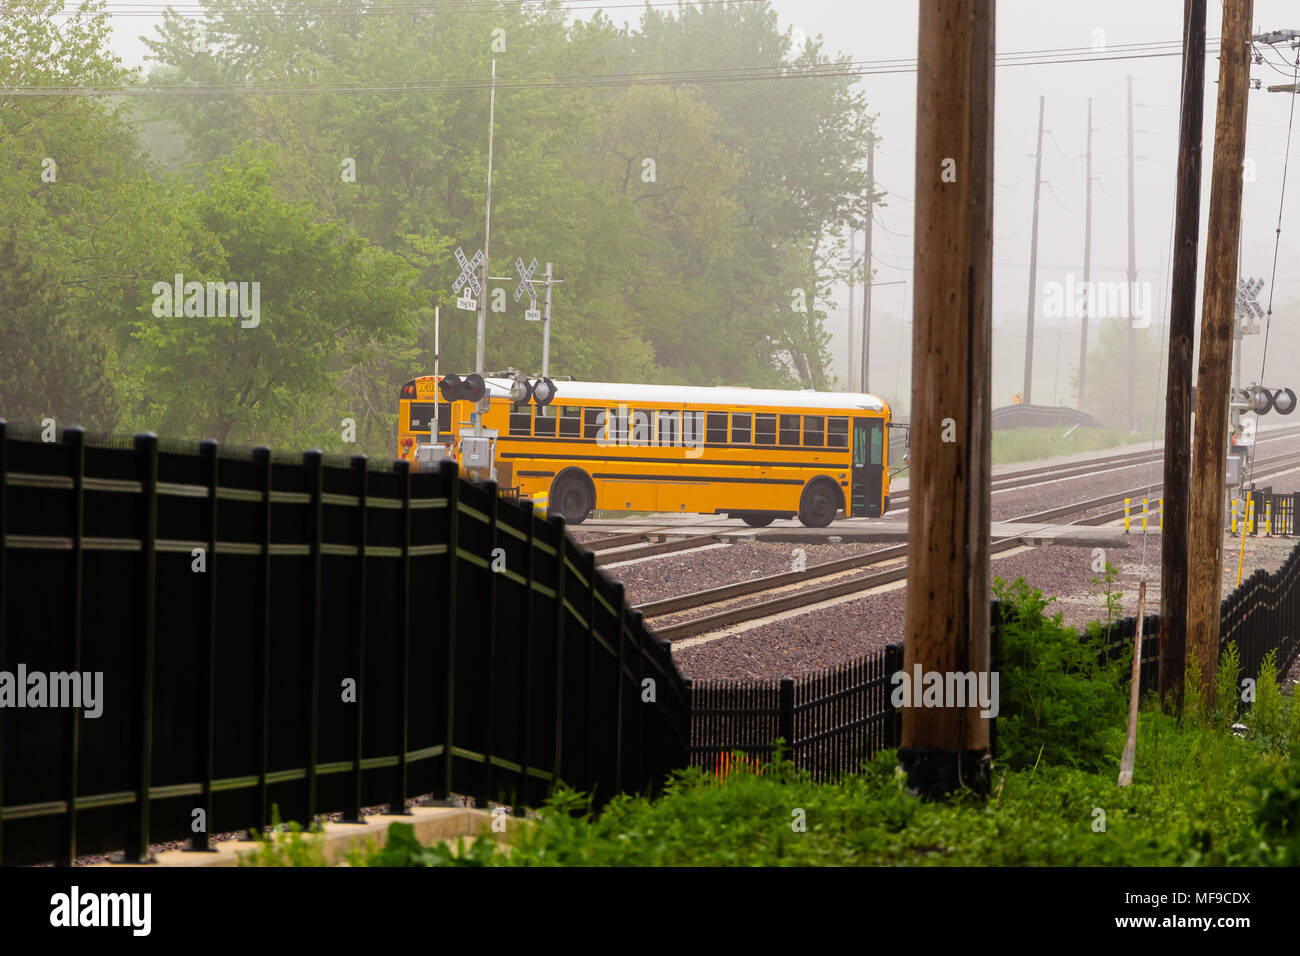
(1058, 699)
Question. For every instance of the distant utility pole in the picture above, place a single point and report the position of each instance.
(1131, 403)
(481, 334)
(853, 312)
(1087, 263)
(1205, 516)
(866, 263)
(1178, 389)
(946, 748)
(1033, 264)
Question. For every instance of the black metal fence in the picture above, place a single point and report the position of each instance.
(1270, 513)
(312, 633)
(831, 720)
(1261, 615)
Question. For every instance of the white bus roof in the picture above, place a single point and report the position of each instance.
(614, 392)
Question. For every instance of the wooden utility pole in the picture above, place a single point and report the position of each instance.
(1205, 517)
(947, 747)
(866, 262)
(853, 318)
(1130, 405)
(1033, 264)
(1178, 389)
(1087, 263)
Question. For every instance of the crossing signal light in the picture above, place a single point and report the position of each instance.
(471, 388)
(1263, 400)
(541, 391)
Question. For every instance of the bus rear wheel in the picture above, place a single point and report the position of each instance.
(570, 499)
(758, 519)
(818, 505)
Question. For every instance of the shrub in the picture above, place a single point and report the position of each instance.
(1227, 692)
(1267, 727)
(1057, 697)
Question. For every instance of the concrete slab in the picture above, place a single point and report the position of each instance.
(432, 825)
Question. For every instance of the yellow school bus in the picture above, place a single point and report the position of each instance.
(752, 454)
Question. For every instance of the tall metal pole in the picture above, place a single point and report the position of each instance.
(1033, 264)
(946, 748)
(1087, 265)
(487, 233)
(853, 312)
(435, 342)
(546, 327)
(1205, 515)
(1131, 381)
(1178, 389)
(865, 370)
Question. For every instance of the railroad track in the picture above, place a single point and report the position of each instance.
(1031, 476)
(818, 593)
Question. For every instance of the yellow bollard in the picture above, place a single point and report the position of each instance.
(1126, 516)
(539, 504)
(1162, 515)
(1144, 516)
(1234, 515)
(1268, 518)
(1250, 514)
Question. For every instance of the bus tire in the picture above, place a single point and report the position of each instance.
(820, 501)
(572, 496)
(758, 519)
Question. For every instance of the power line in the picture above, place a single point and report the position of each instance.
(779, 71)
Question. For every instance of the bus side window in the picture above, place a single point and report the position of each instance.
(877, 442)
(693, 429)
(742, 428)
(639, 427)
(667, 427)
(814, 429)
(838, 433)
(717, 428)
(570, 421)
(765, 430)
(789, 429)
(593, 422)
(619, 424)
(544, 419)
(521, 420)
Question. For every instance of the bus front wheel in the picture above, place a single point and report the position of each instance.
(818, 505)
(571, 499)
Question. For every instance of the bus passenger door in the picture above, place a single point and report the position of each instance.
(866, 489)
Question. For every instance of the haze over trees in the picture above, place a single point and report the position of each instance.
(682, 216)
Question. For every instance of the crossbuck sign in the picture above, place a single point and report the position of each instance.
(526, 283)
(467, 267)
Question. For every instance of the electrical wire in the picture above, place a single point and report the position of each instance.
(778, 71)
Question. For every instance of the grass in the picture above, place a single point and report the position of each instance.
(1034, 444)
(1202, 794)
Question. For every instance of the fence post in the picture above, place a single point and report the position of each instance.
(313, 464)
(262, 460)
(589, 568)
(137, 843)
(620, 636)
(489, 691)
(995, 665)
(4, 497)
(560, 574)
(451, 478)
(638, 622)
(525, 657)
(397, 803)
(75, 440)
(894, 664)
(208, 458)
(785, 718)
(361, 483)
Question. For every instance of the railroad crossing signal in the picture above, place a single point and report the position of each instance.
(526, 281)
(1247, 308)
(467, 267)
